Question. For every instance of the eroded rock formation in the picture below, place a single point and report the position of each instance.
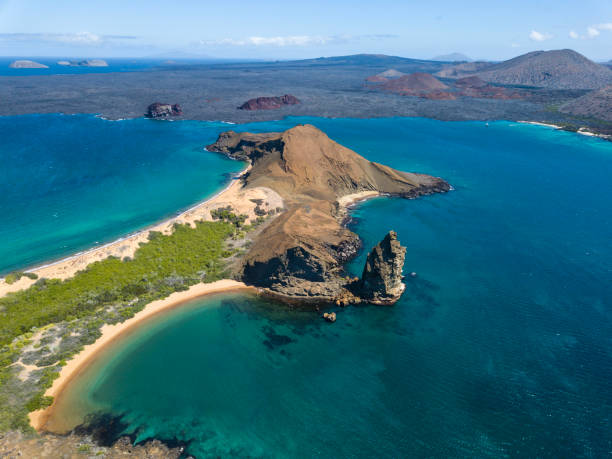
(158, 110)
(269, 103)
(381, 281)
(300, 253)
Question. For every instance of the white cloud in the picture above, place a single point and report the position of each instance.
(592, 32)
(539, 36)
(293, 40)
(79, 38)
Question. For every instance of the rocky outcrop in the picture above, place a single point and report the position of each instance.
(329, 316)
(300, 254)
(25, 64)
(381, 281)
(84, 63)
(158, 110)
(269, 103)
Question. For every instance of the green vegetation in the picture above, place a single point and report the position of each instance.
(157, 269)
(11, 278)
(225, 214)
(52, 320)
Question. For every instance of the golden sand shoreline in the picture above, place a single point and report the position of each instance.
(110, 333)
(233, 194)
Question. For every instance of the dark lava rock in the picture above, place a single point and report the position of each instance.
(269, 103)
(381, 281)
(158, 110)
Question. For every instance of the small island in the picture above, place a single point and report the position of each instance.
(277, 230)
(84, 63)
(26, 64)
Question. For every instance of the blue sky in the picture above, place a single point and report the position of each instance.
(272, 29)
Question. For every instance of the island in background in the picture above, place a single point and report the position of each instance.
(542, 86)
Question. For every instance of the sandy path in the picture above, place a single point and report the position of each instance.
(110, 333)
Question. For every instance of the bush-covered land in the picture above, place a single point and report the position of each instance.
(11, 278)
(52, 320)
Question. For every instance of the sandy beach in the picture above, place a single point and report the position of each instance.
(536, 123)
(110, 333)
(350, 199)
(233, 195)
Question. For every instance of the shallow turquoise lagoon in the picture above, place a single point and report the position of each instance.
(501, 346)
(68, 183)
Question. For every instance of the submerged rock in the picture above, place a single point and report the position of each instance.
(158, 110)
(381, 281)
(329, 316)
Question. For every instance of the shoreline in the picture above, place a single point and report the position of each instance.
(581, 130)
(138, 232)
(79, 362)
(110, 333)
(232, 194)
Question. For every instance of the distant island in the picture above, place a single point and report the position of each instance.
(25, 64)
(538, 86)
(84, 63)
(452, 57)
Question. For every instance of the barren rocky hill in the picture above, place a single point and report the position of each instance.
(595, 104)
(557, 69)
(414, 83)
(300, 253)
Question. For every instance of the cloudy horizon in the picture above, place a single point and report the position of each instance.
(277, 30)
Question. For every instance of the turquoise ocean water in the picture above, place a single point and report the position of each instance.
(68, 183)
(501, 346)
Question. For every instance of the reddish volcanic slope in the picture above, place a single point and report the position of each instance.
(269, 103)
(415, 83)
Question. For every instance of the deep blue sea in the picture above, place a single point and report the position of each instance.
(114, 65)
(68, 183)
(500, 347)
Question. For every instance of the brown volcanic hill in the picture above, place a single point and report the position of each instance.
(415, 83)
(301, 252)
(391, 73)
(595, 104)
(558, 69)
(303, 162)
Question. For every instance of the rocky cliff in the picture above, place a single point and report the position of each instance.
(381, 281)
(158, 110)
(300, 254)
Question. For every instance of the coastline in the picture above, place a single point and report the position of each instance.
(581, 130)
(232, 195)
(38, 419)
(110, 333)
